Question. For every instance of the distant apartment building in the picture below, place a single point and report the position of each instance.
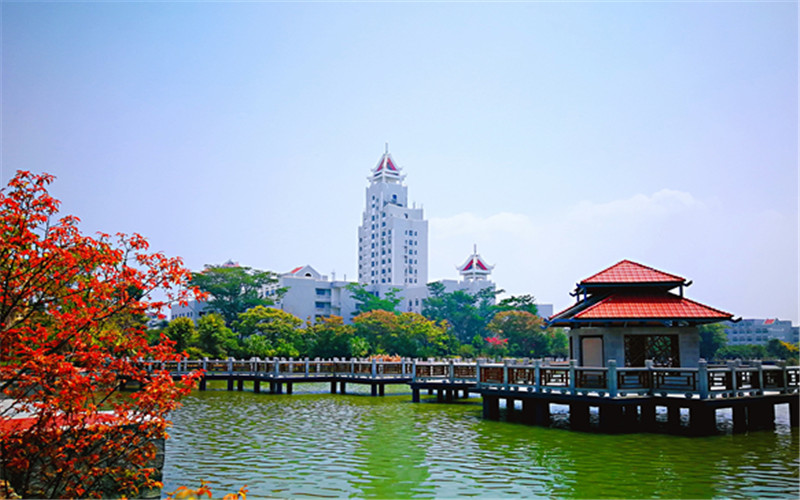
(760, 331)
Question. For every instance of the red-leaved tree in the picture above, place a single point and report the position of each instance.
(72, 326)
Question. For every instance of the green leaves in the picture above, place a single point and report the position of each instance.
(235, 289)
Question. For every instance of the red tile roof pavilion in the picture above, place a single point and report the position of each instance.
(632, 294)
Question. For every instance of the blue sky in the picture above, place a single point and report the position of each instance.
(558, 137)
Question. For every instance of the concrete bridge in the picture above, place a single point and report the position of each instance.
(627, 399)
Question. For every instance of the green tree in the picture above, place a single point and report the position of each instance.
(525, 303)
(330, 337)
(465, 313)
(367, 301)
(214, 338)
(526, 337)
(404, 334)
(712, 339)
(779, 349)
(559, 344)
(235, 289)
(279, 329)
(182, 332)
(745, 352)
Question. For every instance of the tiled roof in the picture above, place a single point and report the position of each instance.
(631, 272)
(769, 321)
(296, 269)
(666, 306)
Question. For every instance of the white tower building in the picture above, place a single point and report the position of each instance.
(393, 236)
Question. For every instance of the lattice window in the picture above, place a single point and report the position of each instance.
(664, 350)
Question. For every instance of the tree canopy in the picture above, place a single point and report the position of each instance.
(234, 289)
(367, 301)
(71, 323)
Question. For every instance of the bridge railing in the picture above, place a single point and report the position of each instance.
(731, 380)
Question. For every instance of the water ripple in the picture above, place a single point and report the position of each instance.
(317, 445)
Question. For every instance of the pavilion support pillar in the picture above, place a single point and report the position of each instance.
(491, 407)
(448, 395)
(202, 384)
(415, 395)
(381, 389)
(256, 386)
(279, 388)
(230, 383)
(288, 387)
(342, 387)
(538, 412)
(739, 413)
(240, 385)
(579, 416)
(702, 420)
(373, 389)
(333, 387)
(430, 392)
(611, 418)
(439, 395)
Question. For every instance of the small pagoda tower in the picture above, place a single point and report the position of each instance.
(475, 268)
(632, 313)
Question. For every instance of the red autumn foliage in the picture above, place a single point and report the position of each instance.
(72, 326)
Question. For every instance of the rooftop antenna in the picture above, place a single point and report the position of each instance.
(387, 148)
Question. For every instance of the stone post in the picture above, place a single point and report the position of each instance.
(612, 378)
(760, 369)
(702, 378)
(537, 375)
(414, 370)
(374, 370)
(648, 363)
(307, 367)
(572, 376)
(478, 373)
(505, 374)
(734, 381)
(451, 371)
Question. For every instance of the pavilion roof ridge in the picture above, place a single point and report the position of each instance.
(629, 272)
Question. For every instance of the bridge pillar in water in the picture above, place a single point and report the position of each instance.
(256, 386)
(630, 417)
(739, 414)
(230, 384)
(535, 412)
(611, 418)
(333, 387)
(491, 407)
(381, 389)
(760, 416)
(794, 412)
(288, 387)
(373, 389)
(203, 384)
(430, 392)
(240, 385)
(702, 420)
(673, 418)
(342, 387)
(415, 395)
(579, 416)
(648, 417)
(511, 414)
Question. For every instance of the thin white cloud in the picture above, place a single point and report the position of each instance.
(668, 229)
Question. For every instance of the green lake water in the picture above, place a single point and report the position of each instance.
(316, 444)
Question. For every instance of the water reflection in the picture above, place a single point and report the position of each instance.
(316, 444)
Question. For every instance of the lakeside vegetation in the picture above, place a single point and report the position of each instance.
(451, 324)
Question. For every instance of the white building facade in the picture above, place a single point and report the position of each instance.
(393, 236)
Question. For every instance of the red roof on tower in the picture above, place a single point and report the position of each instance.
(628, 271)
